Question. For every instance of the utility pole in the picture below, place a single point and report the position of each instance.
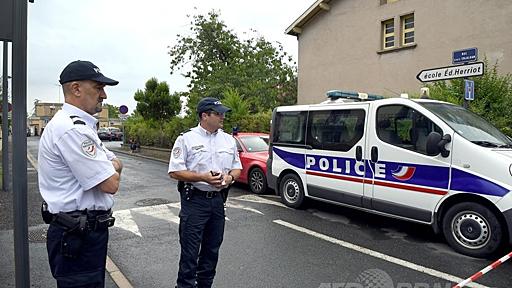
(6, 179)
(19, 143)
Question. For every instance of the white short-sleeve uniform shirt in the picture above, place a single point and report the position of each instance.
(201, 151)
(72, 162)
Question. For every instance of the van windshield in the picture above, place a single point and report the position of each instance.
(469, 125)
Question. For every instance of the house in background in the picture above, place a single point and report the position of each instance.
(44, 112)
(379, 46)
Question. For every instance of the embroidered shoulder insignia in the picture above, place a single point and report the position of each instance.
(89, 148)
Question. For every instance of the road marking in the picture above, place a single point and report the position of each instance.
(259, 199)
(116, 274)
(125, 221)
(378, 255)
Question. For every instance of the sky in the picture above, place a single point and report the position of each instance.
(129, 39)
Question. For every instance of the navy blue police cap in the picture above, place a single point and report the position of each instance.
(84, 70)
(210, 103)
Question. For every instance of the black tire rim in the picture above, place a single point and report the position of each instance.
(291, 191)
(256, 181)
(471, 230)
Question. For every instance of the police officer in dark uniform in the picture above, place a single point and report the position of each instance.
(205, 161)
(78, 176)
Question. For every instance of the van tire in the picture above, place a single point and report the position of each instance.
(292, 191)
(257, 181)
(473, 229)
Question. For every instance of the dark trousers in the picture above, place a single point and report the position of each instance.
(201, 233)
(85, 268)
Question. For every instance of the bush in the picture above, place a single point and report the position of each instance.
(493, 96)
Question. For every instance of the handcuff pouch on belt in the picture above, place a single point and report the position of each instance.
(185, 189)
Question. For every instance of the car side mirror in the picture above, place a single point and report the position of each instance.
(436, 143)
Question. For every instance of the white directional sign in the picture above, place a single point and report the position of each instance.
(450, 72)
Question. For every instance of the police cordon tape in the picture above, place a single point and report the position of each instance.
(483, 271)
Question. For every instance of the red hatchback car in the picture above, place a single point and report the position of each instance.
(253, 149)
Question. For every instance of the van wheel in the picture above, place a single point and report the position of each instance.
(472, 229)
(257, 181)
(292, 192)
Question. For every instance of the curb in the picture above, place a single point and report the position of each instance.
(136, 155)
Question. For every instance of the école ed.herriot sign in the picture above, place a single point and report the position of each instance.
(451, 72)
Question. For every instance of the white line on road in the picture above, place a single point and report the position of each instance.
(379, 255)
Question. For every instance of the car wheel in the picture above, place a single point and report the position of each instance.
(473, 229)
(257, 181)
(292, 191)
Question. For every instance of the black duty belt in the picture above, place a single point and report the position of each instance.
(206, 194)
(86, 220)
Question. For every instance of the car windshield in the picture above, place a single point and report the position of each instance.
(254, 143)
(469, 125)
(103, 130)
(114, 129)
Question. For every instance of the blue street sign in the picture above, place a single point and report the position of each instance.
(465, 55)
(123, 109)
(469, 90)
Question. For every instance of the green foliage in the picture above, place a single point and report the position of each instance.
(155, 102)
(250, 76)
(493, 96)
(261, 74)
(113, 111)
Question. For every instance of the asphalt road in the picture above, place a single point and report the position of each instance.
(269, 245)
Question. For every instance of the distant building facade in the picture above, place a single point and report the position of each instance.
(379, 46)
(44, 112)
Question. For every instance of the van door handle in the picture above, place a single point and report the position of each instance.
(359, 153)
(375, 154)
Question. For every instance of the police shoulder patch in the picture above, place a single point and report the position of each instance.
(89, 148)
(176, 152)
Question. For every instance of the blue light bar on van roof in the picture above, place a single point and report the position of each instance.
(337, 94)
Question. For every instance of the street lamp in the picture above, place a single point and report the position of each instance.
(58, 85)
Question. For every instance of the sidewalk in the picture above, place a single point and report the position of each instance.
(40, 275)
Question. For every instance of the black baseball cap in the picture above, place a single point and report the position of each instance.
(84, 70)
(210, 103)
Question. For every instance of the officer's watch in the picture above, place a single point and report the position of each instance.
(232, 179)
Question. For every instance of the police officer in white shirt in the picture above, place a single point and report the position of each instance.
(78, 176)
(205, 161)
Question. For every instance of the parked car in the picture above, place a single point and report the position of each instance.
(104, 134)
(253, 149)
(115, 134)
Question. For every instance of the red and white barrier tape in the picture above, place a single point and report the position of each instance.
(483, 271)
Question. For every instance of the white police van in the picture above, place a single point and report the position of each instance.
(421, 160)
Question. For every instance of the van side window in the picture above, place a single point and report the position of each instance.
(404, 127)
(336, 130)
(290, 128)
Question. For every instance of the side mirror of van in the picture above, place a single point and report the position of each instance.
(436, 143)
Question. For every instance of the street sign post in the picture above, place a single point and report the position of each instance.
(451, 72)
(469, 90)
(465, 56)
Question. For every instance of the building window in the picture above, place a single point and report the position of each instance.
(407, 29)
(388, 34)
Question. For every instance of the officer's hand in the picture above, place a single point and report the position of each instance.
(213, 178)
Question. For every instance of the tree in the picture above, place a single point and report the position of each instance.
(262, 75)
(155, 102)
(113, 111)
(493, 96)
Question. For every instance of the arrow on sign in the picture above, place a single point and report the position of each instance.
(451, 72)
